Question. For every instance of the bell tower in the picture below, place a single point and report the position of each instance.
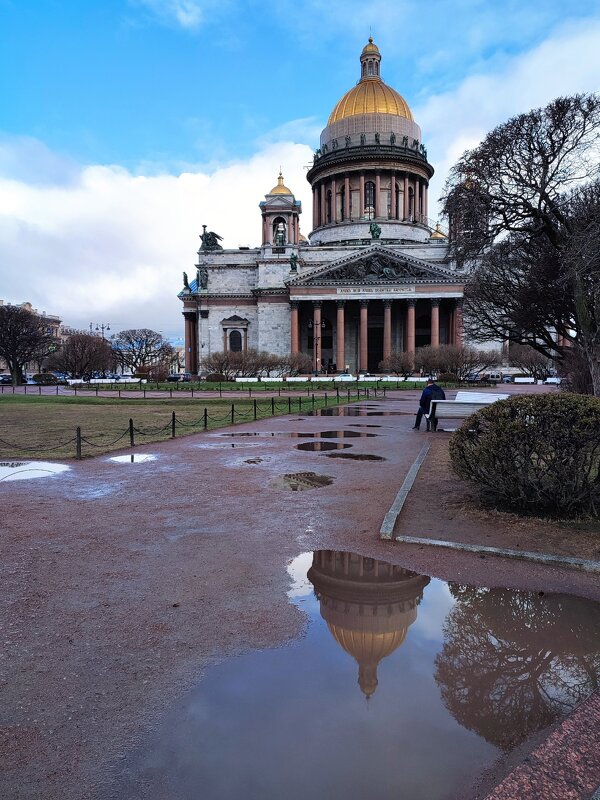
(280, 217)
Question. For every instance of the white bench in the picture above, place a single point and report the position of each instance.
(466, 403)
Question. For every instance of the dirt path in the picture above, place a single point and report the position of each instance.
(123, 582)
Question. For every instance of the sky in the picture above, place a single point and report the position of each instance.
(125, 125)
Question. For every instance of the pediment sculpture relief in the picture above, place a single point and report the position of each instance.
(377, 269)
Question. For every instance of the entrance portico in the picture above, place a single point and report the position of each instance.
(399, 305)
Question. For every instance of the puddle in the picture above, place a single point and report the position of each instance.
(299, 481)
(363, 425)
(134, 458)
(24, 470)
(341, 434)
(320, 446)
(356, 456)
(257, 460)
(353, 411)
(401, 686)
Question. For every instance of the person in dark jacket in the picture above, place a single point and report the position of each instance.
(431, 392)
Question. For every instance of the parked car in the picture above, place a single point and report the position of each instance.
(508, 379)
(4, 379)
(554, 381)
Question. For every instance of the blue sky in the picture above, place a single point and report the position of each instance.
(123, 115)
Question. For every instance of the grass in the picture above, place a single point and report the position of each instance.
(44, 427)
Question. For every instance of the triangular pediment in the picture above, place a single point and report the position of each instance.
(279, 201)
(376, 265)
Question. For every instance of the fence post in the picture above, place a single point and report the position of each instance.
(144, 392)
(40, 390)
(78, 443)
(289, 404)
(249, 391)
(272, 406)
(325, 398)
(337, 393)
(171, 393)
(131, 441)
(76, 392)
(25, 388)
(254, 404)
(299, 405)
(173, 425)
(232, 413)
(205, 417)
(220, 392)
(348, 395)
(56, 389)
(313, 399)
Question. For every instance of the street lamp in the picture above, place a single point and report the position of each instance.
(316, 339)
(99, 327)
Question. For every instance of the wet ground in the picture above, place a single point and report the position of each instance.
(145, 606)
(402, 686)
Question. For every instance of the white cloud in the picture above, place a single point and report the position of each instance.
(566, 63)
(111, 246)
(188, 14)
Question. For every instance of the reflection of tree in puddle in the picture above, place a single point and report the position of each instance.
(368, 606)
(513, 662)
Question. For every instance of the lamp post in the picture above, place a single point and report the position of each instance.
(316, 339)
(99, 327)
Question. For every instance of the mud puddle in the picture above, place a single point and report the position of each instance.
(134, 458)
(300, 481)
(318, 447)
(24, 470)
(341, 434)
(356, 456)
(352, 411)
(402, 686)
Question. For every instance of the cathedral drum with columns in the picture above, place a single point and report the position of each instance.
(373, 276)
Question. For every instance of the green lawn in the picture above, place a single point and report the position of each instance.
(45, 427)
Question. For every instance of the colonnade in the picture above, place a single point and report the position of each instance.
(455, 328)
(191, 341)
(407, 197)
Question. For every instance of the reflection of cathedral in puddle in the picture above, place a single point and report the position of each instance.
(368, 606)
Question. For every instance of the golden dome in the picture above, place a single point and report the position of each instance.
(370, 96)
(438, 233)
(370, 48)
(280, 188)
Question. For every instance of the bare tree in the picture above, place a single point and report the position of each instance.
(523, 207)
(141, 347)
(531, 361)
(81, 355)
(399, 362)
(294, 364)
(24, 337)
(460, 361)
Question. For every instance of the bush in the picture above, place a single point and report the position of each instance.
(45, 379)
(534, 454)
(447, 377)
(215, 377)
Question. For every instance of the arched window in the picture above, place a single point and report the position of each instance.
(279, 232)
(235, 342)
(370, 67)
(328, 207)
(369, 200)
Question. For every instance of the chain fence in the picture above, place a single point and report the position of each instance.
(258, 410)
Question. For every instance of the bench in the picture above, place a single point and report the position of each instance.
(466, 403)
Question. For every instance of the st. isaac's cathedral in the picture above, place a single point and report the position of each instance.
(372, 276)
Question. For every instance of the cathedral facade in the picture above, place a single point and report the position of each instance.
(373, 275)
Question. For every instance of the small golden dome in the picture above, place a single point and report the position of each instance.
(280, 188)
(370, 48)
(438, 233)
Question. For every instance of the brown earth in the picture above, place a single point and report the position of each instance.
(121, 583)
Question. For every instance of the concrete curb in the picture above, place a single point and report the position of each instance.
(387, 526)
(523, 555)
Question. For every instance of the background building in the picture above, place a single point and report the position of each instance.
(372, 276)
